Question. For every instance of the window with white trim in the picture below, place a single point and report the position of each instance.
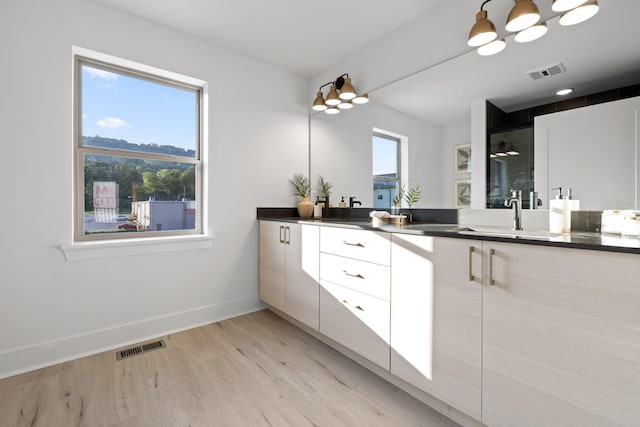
(386, 169)
(138, 147)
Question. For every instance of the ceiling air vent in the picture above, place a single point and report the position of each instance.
(549, 71)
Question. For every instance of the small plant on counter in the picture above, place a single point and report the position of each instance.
(300, 185)
(413, 196)
(324, 187)
(398, 199)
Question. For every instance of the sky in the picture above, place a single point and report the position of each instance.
(385, 155)
(136, 110)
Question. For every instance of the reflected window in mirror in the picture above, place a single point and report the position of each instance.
(510, 166)
(386, 169)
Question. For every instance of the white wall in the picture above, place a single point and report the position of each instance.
(257, 139)
(341, 151)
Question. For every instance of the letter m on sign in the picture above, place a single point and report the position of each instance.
(104, 194)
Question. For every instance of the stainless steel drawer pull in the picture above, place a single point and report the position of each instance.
(471, 276)
(360, 245)
(281, 234)
(357, 307)
(356, 275)
(492, 252)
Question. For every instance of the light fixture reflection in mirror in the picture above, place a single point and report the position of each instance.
(492, 48)
(580, 13)
(342, 95)
(524, 14)
(532, 33)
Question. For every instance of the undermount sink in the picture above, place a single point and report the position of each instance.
(484, 231)
(507, 232)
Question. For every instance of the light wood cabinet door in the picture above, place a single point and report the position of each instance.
(561, 337)
(358, 321)
(302, 290)
(436, 310)
(272, 263)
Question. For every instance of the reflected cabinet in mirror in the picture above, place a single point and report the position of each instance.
(431, 115)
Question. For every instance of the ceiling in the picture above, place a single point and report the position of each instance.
(301, 36)
(308, 37)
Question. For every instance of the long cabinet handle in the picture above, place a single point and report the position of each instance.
(356, 275)
(282, 234)
(492, 252)
(471, 251)
(360, 245)
(357, 307)
(287, 235)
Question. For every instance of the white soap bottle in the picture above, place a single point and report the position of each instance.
(557, 213)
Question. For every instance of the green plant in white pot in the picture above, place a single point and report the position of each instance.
(302, 188)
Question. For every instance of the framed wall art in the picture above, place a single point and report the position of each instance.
(462, 193)
(462, 158)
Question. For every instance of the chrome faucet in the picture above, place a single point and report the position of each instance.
(515, 202)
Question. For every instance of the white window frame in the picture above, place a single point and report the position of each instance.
(129, 68)
(403, 157)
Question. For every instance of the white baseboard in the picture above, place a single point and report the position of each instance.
(25, 359)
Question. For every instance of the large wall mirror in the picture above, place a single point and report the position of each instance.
(435, 118)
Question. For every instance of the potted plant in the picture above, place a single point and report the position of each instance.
(302, 188)
(397, 200)
(324, 188)
(413, 196)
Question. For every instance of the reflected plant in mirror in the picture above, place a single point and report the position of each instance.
(324, 187)
(413, 196)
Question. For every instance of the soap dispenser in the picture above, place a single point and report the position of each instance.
(557, 213)
(342, 203)
(570, 205)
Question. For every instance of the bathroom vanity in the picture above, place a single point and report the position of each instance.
(487, 328)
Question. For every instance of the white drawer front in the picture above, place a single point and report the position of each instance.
(371, 279)
(365, 245)
(359, 322)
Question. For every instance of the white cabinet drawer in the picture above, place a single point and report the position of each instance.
(365, 277)
(359, 322)
(371, 246)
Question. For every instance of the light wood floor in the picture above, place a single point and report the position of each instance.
(254, 370)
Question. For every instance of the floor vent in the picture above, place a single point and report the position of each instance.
(549, 71)
(139, 349)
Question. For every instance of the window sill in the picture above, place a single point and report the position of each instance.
(128, 247)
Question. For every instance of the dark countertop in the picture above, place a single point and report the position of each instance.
(575, 240)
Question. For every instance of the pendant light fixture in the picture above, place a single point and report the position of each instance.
(580, 13)
(318, 103)
(483, 31)
(333, 98)
(361, 99)
(341, 96)
(524, 20)
(532, 33)
(524, 14)
(347, 91)
(492, 48)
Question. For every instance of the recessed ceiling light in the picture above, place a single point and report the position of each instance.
(563, 92)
